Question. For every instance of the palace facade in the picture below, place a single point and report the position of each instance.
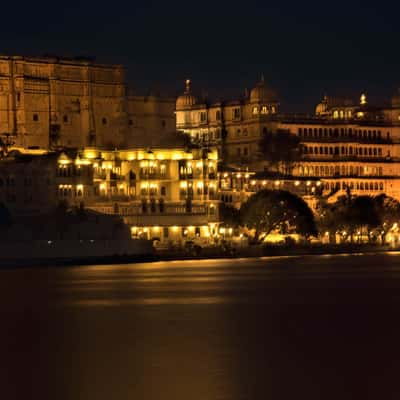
(344, 144)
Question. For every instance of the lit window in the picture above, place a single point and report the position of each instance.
(264, 110)
(335, 114)
(255, 110)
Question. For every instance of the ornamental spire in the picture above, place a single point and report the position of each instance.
(187, 86)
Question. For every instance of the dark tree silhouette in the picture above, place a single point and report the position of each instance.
(281, 150)
(277, 210)
(388, 209)
(350, 215)
(229, 215)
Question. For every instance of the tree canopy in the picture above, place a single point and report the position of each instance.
(229, 215)
(351, 215)
(277, 210)
(280, 149)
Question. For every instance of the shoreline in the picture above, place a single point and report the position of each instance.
(207, 253)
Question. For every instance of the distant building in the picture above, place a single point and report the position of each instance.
(52, 102)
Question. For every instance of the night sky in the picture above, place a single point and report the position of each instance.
(303, 48)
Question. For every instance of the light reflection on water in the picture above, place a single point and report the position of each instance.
(267, 328)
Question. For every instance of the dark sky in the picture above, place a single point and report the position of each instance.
(303, 48)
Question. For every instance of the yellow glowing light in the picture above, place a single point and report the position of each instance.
(183, 184)
(363, 99)
(82, 162)
(277, 183)
(247, 175)
(79, 187)
(156, 228)
(102, 186)
(308, 183)
(222, 231)
(264, 183)
(175, 228)
(225, 175)
(297, 183)
(90, 154)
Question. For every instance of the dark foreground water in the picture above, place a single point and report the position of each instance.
(316, 327)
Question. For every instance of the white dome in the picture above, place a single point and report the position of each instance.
(261, 94)
(186, 100)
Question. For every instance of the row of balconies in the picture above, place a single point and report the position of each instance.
(154, 208)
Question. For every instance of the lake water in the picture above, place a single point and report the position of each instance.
(314, 327)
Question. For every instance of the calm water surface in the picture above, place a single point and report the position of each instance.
(316, 327)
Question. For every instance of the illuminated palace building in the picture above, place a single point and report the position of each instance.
(71, 130)
(168, 193)
(343, 145)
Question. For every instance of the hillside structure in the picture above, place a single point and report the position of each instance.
(51, 102)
